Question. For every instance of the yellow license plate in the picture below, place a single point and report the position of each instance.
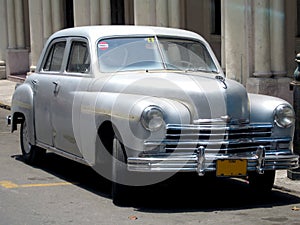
(231, 167)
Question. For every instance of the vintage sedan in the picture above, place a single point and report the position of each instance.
(140, 104)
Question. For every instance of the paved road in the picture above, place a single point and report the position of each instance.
(64, 192)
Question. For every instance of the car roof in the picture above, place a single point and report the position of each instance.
(98, 32)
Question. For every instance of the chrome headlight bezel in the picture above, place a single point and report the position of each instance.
(284, 116)
(152, 118)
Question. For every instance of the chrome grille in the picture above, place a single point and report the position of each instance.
(217, 138)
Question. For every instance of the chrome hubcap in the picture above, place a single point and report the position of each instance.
(25, 139)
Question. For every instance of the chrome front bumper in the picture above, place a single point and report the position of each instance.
(201, 163)
(200, 148)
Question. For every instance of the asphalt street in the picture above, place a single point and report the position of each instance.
(60, 191)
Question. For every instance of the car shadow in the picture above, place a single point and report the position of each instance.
(181, 193)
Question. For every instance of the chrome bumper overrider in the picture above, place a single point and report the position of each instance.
(8, 120)
(201, 162)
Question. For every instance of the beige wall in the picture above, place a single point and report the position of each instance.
(261, 67)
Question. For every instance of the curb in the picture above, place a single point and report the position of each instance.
(281, 188)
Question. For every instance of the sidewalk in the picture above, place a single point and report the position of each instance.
(282, 182)
(7, 88)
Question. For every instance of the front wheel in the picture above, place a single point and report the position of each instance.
(31, 153)
(262, 183)
(120, 191)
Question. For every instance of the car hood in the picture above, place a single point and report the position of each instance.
(207, 95)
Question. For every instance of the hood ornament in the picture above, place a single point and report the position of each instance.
(222, 79)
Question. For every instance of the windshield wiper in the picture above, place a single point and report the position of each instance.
(206, 71)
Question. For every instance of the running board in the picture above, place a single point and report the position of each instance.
(63, 153)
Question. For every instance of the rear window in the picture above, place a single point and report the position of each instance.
(55, 57)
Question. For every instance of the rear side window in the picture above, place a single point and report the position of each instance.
(55, 57)
(79, 61)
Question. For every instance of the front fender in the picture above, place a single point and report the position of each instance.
(123, 111)
(22, 108)
(262, 110)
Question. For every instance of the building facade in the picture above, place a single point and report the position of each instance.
(255, 41)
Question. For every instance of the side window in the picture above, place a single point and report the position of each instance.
(79, 60)
(55, 57)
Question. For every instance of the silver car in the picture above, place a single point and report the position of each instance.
(140, 104)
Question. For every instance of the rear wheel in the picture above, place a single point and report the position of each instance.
(31, 153)
(262, 183)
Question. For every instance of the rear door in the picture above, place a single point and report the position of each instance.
(45, 91)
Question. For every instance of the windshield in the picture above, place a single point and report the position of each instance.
(150, 53)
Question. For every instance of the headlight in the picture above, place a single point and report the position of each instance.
(152, 118)
(284, 116)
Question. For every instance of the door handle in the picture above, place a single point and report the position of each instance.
(56, 88)
(34, 85)
(34, 82)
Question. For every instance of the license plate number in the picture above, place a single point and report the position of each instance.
(231, 167)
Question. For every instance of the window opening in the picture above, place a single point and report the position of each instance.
(55, 57)
(79, 61)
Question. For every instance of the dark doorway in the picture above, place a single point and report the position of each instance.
(216, 17)
(298, 18)
(69, 14)
(117, 12)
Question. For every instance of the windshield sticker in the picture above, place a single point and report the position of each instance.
(150, 40)
(103, 45)
(150, 43)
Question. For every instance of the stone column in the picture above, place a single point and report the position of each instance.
(277, 37)
(17, 59)
(162, 18)
(278, 48)
(47, 19)
(105, 12)
(19, 18)
(236, 39)
(95, 9)
(57, 12)
(36, 30)
(174, 13)
(11, 21)
(81, 12)
(145, 12)
(3, 38)
(223, 49)
(262, 66)
(129, 12)
(269, 50)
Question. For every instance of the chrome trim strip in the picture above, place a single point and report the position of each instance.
(63, 153)
(154, 143)
(218, 126)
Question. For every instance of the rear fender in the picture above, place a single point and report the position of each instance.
(22, 108)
